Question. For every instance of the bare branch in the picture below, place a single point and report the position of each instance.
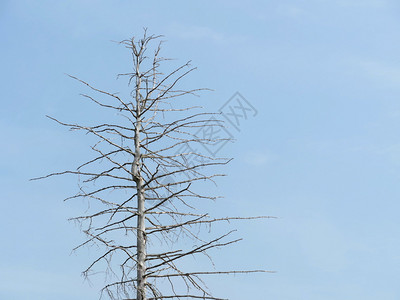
(146, 180)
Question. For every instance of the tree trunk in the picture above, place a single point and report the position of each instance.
(138, 178)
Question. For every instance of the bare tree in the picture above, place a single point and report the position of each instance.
(141, 184)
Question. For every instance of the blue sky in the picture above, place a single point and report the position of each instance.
(322, 154)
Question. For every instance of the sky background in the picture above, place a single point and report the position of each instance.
(322, 154)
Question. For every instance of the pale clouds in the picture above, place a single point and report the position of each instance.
(258, 158)
(43, 284)
(202, 33)
(292, 11)
(323, 243)
(392, 152)
(195, 32)
(388, 151)
(384, 73)
(362, 3)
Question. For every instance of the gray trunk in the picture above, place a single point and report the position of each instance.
(138, 178)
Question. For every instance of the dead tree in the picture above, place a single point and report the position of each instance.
(141, 183)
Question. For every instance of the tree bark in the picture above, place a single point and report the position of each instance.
(138, 178)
